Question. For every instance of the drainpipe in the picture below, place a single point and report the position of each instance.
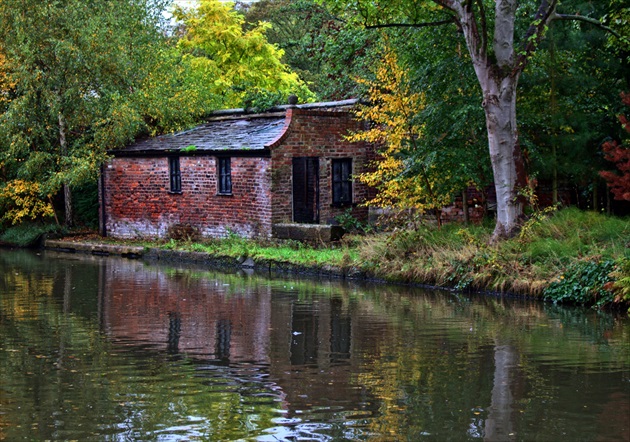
(102, 230)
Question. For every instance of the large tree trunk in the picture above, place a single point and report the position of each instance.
(505, 153)
(498, 76)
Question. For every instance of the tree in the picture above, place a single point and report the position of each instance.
(498, 59)
(566, 105)
(408, 173)
(327, 53)
(619, 183)
(73, 69)
(234, 63)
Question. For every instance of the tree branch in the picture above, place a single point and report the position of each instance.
(535, 32)
(589, 20)
(411, 25)
(484, 27)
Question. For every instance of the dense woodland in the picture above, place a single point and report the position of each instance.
(459, 93)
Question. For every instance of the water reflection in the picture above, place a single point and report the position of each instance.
(164, 353)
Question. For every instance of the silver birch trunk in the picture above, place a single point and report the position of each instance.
(67, 193)
(498, 76)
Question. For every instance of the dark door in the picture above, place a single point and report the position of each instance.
(306, 190)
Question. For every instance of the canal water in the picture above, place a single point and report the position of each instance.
(97, 348)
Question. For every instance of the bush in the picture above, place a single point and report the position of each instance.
(584, 283)
(183, 232)
(26, 235)
(352, 225)
(621, 286)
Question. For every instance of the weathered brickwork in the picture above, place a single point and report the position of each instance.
(138, 202)
(318, 134)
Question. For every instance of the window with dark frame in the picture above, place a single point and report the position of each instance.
(175, 174)
(225, 176)
(341, 181)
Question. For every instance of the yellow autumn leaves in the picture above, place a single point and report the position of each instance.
(21, 200)
(402, 175)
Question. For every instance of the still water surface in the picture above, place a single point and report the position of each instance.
(111, 349)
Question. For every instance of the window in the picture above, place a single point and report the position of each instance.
(175, 174)
(341, 183)
(225, 176)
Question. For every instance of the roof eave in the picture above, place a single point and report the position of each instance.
(121, 153)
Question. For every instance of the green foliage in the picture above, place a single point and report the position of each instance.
(351, 224)
(86, 205)
(622, 284)
(77, 73)
(27, 234)
(583, 283)
(567, 100)
(229, 59)
(261, 100)
(326, 51)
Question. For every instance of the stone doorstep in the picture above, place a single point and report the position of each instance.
(307, 232)
(94, 249)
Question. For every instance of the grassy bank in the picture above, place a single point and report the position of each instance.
(567, 256)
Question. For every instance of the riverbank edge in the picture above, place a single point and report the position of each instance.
(222, 262)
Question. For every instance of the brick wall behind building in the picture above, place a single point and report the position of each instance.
(138, 202)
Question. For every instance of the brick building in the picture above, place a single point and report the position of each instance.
(259, 175)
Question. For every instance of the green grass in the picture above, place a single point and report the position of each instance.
(286, 251)
(550, 245)
(26, 235)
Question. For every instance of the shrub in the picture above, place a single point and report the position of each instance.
(26, 235)
(183, 232)
(584, 283)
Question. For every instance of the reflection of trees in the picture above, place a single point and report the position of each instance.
(377, 361)
(62, 380)
(499, 426)
(417, 372)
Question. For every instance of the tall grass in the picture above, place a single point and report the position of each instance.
(463, 258)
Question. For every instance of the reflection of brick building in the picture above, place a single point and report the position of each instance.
(179, 313)
(305, 348)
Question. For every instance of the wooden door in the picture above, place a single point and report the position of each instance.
(306, 190)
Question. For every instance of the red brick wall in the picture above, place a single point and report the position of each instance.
(317, 134)
(138, 202)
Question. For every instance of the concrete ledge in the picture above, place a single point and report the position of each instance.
(313, 233)
(94, 249)
(246, 264)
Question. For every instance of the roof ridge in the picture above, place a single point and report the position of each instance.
(275, 110)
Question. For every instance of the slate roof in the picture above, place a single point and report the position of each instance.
(223, 135)
(228, 130)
